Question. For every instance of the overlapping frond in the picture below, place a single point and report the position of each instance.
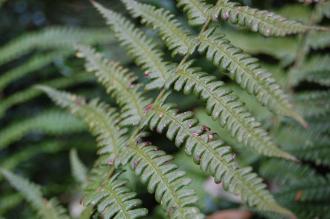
(164, 179)
(78, 169)
(285, 172)
(174, 35)
(322, 10)
(35, 63)
(247, 72)
(112, 197)
(30, 93)
(242, 67)
(119, 83)
(315, 70)
(54, 37)
(318, 40)
(49, 122)
(309, 197)
(29, 152)
(262, 21)
(315, 188)
(138, 45)
(32, 193)
(198, 11)
(313, 104)
(306, 145)
(102, 121)
(225, 106)
(213, 157)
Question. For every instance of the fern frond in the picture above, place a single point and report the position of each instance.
(164, 179)
(49, 122)
(264, 22)
(52, 38)
(309, 197)
(30, 93)
(174, 35)
(29, 152)
(306, 145)
(225, 106)
(112, 197)
(283, 48)
(285, 172)
(198, 11)
(322, 10)
(119, 83)
(246, 71)
(313, 104)
(213, 157)
(78, 169)
(138, 45)
(35, 63)
(318, 40)
(316, 70)
(102, 121)
(32, 193)
(315, 188)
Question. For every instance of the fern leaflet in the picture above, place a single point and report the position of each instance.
(164, 179)
(140, 47)
(49, 122)
(264, 22)
(102, 121)
(171, 31)
(112, 197)
(31, 192)
(50, 38)
(119, 82)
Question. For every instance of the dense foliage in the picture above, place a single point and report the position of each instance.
(198, 109)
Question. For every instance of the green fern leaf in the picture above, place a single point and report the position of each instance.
(50, 38)
(318, 40)
(264, 22)
(198, 11)
(29, 152)
(112, 197)
(313, 104)
(78, 169)
(305, 145)
(308, 197)
(242, 68)
(222, 105)
(164, 179)
(315, 188)
(177, 39)
(49, 122)
(285, 172)
(322, 10)
(35, 63)
(213, 157)
(139, 46)
(314, 70)
(102, 121)
(31, 192)
(30, 92)
(120, 84)
(246, 72)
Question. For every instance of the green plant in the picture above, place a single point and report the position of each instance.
(123, 128)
